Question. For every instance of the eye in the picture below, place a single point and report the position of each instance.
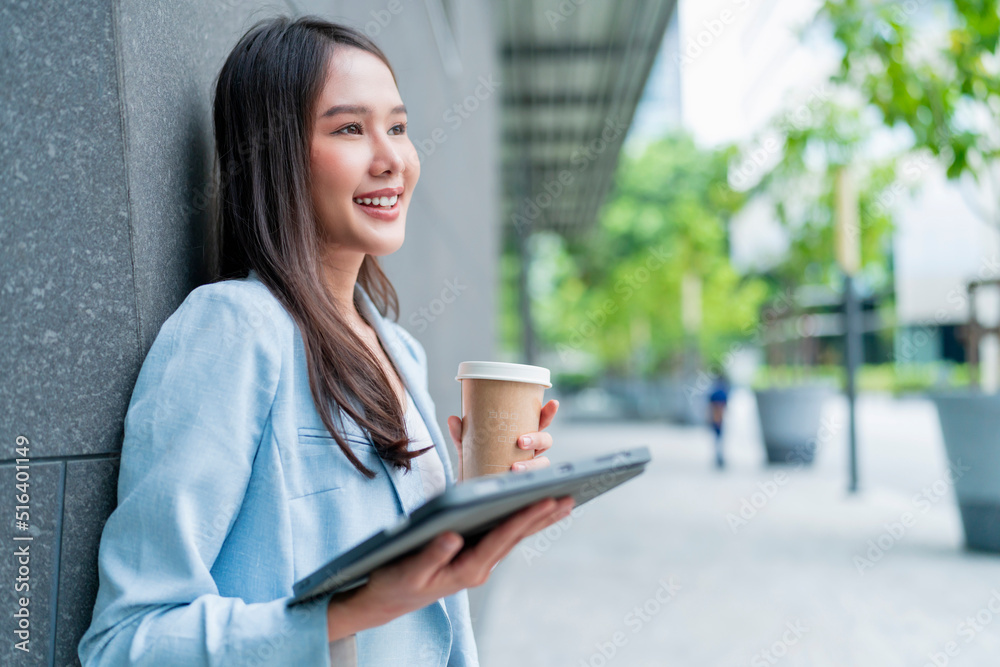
(352, 126)
(399, 128)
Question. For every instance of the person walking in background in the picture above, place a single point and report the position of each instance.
(717, 398)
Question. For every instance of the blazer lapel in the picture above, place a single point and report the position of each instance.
(421, 400)
(408, 485)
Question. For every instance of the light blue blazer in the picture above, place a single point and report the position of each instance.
(231, 489)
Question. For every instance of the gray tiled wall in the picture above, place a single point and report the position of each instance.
(67, 321)
(105, 147)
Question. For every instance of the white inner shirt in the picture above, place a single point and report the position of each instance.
(429, 463)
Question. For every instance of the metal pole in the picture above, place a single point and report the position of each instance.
(853, 357)
(972, 340)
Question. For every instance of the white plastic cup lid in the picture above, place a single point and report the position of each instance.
(499, 370)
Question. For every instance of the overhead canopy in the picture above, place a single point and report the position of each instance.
(572, 74)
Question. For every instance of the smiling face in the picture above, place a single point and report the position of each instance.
(363, 165)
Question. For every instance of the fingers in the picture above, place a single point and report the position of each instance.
(455, 430)
(455, 427)
(536, 463)
(429, 561)
(474, 564)
(540, 441)
(562, 511)
(548, 412)
(542, 520)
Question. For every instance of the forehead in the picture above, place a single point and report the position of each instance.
(355, 76)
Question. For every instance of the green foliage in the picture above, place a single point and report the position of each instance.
(775, 377)
(616, 294)
(935, 77)
(509, 321)
(801, 189)
(938, 77)
(897, 379)
(927, 67)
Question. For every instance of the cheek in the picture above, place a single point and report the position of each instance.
(336, 171)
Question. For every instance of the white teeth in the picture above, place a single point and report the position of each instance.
(387, 202)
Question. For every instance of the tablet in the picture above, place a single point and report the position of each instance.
(472, 509)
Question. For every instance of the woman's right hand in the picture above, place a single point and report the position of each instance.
(435, 572)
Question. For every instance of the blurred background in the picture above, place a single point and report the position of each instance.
(784, 283)
(759, 237)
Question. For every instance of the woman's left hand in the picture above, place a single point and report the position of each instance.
(536, 440)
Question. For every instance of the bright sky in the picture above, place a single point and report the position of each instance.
(740, 61)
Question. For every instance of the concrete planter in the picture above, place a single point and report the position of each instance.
(970, 424)
(790, 421)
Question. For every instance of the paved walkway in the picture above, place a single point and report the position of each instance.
(658, 572)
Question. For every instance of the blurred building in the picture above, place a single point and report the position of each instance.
(574, 73)
(943, 242)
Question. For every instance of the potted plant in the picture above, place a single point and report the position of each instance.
(790, 406)
(970, 424)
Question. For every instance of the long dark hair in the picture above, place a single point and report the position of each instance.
(264, 219)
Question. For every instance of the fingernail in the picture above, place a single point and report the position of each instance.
(526, 441)
(518, 466)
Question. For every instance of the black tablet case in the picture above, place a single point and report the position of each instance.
(471, 509)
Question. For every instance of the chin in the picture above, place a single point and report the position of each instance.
(385, 247)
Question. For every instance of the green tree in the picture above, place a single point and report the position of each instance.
(616, 294)
(801, 191)
(931, 66)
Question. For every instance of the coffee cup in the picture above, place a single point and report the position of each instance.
(500, 402)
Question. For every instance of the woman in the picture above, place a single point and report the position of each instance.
(280, 416)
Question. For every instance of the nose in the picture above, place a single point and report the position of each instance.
(386, 157)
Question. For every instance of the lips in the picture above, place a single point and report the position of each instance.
(381, 204)
(383, 213)
(384, 192)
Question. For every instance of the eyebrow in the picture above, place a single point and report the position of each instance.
(358, 109)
